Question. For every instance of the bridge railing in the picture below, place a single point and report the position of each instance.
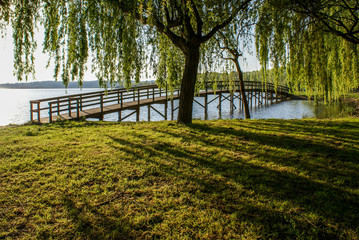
(249, 86)
(76, 103)
(72, 105)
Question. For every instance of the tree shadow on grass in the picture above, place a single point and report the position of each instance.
(336, 163)
(90, 223)
(332, 130)
(329, 202)
(307, 145)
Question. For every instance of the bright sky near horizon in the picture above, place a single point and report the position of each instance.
(45, 74)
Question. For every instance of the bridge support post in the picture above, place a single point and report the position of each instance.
(166, 103)
(166, 110)
(138, 114)
(206, 106)
(138, 105)
(240, 102)
(149, 113)
(250, 99)
(266, 97)
(220, 105)
(231, 103)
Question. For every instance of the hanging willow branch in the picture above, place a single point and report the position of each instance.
(318, 62)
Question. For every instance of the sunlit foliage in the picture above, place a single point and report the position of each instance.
(124, 38)
(114, 34)
(319, 62)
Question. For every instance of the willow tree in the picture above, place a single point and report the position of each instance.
(122, 36)
(323, 64)
(232, 42)
(339, 17)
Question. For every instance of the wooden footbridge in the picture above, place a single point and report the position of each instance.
(97, 104)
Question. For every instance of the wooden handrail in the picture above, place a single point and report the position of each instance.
(94, 93)
(78, 102)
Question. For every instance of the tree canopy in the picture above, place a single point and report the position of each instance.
(339, 17)
(316, 60)
(314, 41)
(122, 37)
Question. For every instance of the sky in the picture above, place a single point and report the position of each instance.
(41, 72)
(46, 74)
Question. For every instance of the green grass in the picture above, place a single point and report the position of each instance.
(233, 179)
(352, 95)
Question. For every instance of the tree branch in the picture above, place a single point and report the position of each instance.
(198, 18)
(171, 23)
(225, 23)
(176, 40)
(187, 21)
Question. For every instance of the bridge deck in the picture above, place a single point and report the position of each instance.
(95, 105)
(95, 112)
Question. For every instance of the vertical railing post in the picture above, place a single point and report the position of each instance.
(138, 106)
(38, 112)
(50, 112)
(81, 102)
(153, 94)
(31, 111)
(101, 102)
(70, 107)
(78, 108)
(121, 99)
(58, 106)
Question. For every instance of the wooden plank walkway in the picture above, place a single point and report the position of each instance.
(107, 109)
(97, 104)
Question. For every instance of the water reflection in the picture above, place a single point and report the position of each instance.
(330, 110)
(15, 106)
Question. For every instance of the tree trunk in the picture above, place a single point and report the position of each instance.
(242, 89)
(188, 85)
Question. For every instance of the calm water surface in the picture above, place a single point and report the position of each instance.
(15, 103)
(15, 107)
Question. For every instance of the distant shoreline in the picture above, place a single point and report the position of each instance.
(51, 84)
(60, 85)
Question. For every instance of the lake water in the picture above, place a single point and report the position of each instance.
(15, 107)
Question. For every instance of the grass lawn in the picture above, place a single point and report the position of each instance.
(226, 179)
(353, 95)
